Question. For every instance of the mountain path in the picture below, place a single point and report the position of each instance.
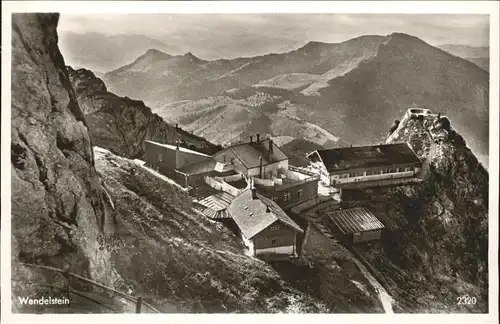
(384, 297)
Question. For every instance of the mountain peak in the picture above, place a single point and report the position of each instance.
(402, 37)
(156, 53)
(193, 57)
(311, 45)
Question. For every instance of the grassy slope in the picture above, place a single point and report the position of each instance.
(182, 262)
(222, 119)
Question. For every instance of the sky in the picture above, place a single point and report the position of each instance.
(435, 29)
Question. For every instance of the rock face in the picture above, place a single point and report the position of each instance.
(121, 124)
(57, 208)
(435, 248)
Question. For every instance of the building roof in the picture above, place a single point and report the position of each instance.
(205, 166)
(249, 153)
(211, 202)
(174, 147)
(252, 217)
(355, 220)
(346, 158)
(215, 206)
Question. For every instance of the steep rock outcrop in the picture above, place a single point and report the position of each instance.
(435, 248)
(57, 210)
(121, 124)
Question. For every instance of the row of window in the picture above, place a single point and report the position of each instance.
(287, 196)
(368, 173)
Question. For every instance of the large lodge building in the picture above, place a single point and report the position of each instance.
(366, 166)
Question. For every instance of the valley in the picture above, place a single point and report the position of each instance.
(350, 90)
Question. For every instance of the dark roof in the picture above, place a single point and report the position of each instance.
(250, 152)
(252, 217)
(205, 166)
(345, 158)
(355, 220)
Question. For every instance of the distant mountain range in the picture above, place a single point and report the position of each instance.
(101, 53)
(351, 90)
(478, 55)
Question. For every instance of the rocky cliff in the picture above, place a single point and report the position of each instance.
(121, 124)
(57, 208)
(435, 248)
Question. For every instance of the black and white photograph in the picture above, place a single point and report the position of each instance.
(250, 160)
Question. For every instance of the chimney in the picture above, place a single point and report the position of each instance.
(270, 146)
(258, 137)
(260, 167)
(254, 193)
(251, 138)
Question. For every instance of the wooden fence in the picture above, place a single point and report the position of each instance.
(137, 301)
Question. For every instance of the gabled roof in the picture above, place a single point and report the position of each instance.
(251, 215)
(355, 220)
(345, 158)
(249, 153)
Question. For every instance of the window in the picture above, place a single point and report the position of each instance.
(274, 242)
(275, 227)
(300, 192)
(287, 196)
(274, 198)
